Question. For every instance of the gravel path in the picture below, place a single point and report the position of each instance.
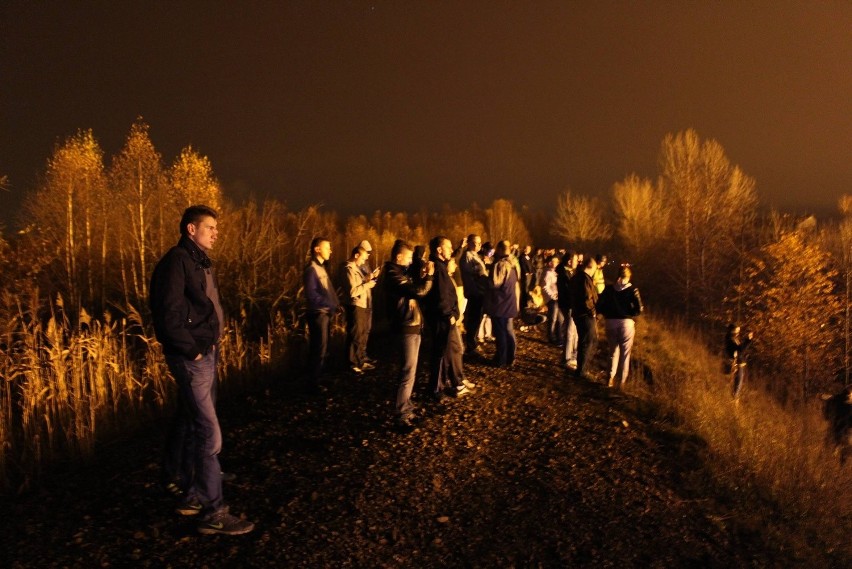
(534, 469)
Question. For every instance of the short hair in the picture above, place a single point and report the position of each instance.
(398, 247)
(625, 272)
(358, 250)
(316, 243)
(503, 246)
(194, 214)
(600, 257)
(436, 242)
(472, 238)
(587, 262)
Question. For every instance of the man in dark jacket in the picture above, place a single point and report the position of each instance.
(584, 297)
(188, 322)
(322, 304)
(403, 291)
(503, 303)
(442, 314)
(564, 273)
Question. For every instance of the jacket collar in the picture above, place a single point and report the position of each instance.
(200, 257)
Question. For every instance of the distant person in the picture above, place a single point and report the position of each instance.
(564, 273)
(735, 356)
(838, 412)
(504, 303)
(600, 282)
(367, 270)
(620, 304)
(584, 297)
(403, 292)
(442, 313)
(551, 298)
(525, 260)
(322, 304)
(188, 322)
(357, 297)
(474, 276)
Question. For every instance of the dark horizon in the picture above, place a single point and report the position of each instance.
(365, 106)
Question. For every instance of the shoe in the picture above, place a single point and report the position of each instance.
(172, 489)
(439, 397)
(228, 477)
(611, 382)
(372, 361)
(406, 424)
(367, 365)
(571, 364)
(356, 370)
(190, 507)
(224, 523)
(461, 391)
(469, 384)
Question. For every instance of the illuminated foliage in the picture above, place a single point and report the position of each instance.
(580, 220)
(790, 303)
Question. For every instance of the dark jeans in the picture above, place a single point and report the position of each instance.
(472, 321)
(195, 439)
(357, 331)
(504, 338)
(409, 345)
(452, 367)
(445, 360)
(587, 340)
(554, 323)
(319, 326)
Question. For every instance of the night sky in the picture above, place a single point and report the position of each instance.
(406, 104)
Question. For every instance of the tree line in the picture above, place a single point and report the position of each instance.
(78, 269)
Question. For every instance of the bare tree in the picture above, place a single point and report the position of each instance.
(504, 222)
(642, 215)
(580, 219)
(137, 178)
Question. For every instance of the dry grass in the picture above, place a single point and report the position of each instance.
(761, 451)
(64, 388)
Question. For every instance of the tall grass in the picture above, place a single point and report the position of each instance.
(64, 387)
(758, 447)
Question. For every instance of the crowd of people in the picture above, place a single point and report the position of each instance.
(453, 296)
(565, 291)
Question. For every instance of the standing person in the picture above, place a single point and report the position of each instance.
(620, 304)
(600, 281)
(322, 305)
(403, 292)
(474, 274)
(527, 273)
(838, 412)
(504, 303)
(584, 297)
(365, 268)
(735, 359)
(565, 272)
(188, 322)
(442, 313)
(359, 296)
(551, 297)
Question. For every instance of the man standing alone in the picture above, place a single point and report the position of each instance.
(322, 304)
(188, 321)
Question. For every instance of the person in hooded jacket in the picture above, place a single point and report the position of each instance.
(620, 304)
(504, 303)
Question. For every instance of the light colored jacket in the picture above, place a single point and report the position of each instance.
(359, 288)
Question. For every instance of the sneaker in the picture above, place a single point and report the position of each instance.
(571, 364)
(172, 489)
(224, 523)
(461, 391)
(190, 507)
(469, 384)
(356, 370)
(406, 424)
(367, 365)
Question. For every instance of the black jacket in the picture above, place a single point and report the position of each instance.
(442, 302)
(615, 303)
(185, 319)
(402, 293)
(584, 295)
